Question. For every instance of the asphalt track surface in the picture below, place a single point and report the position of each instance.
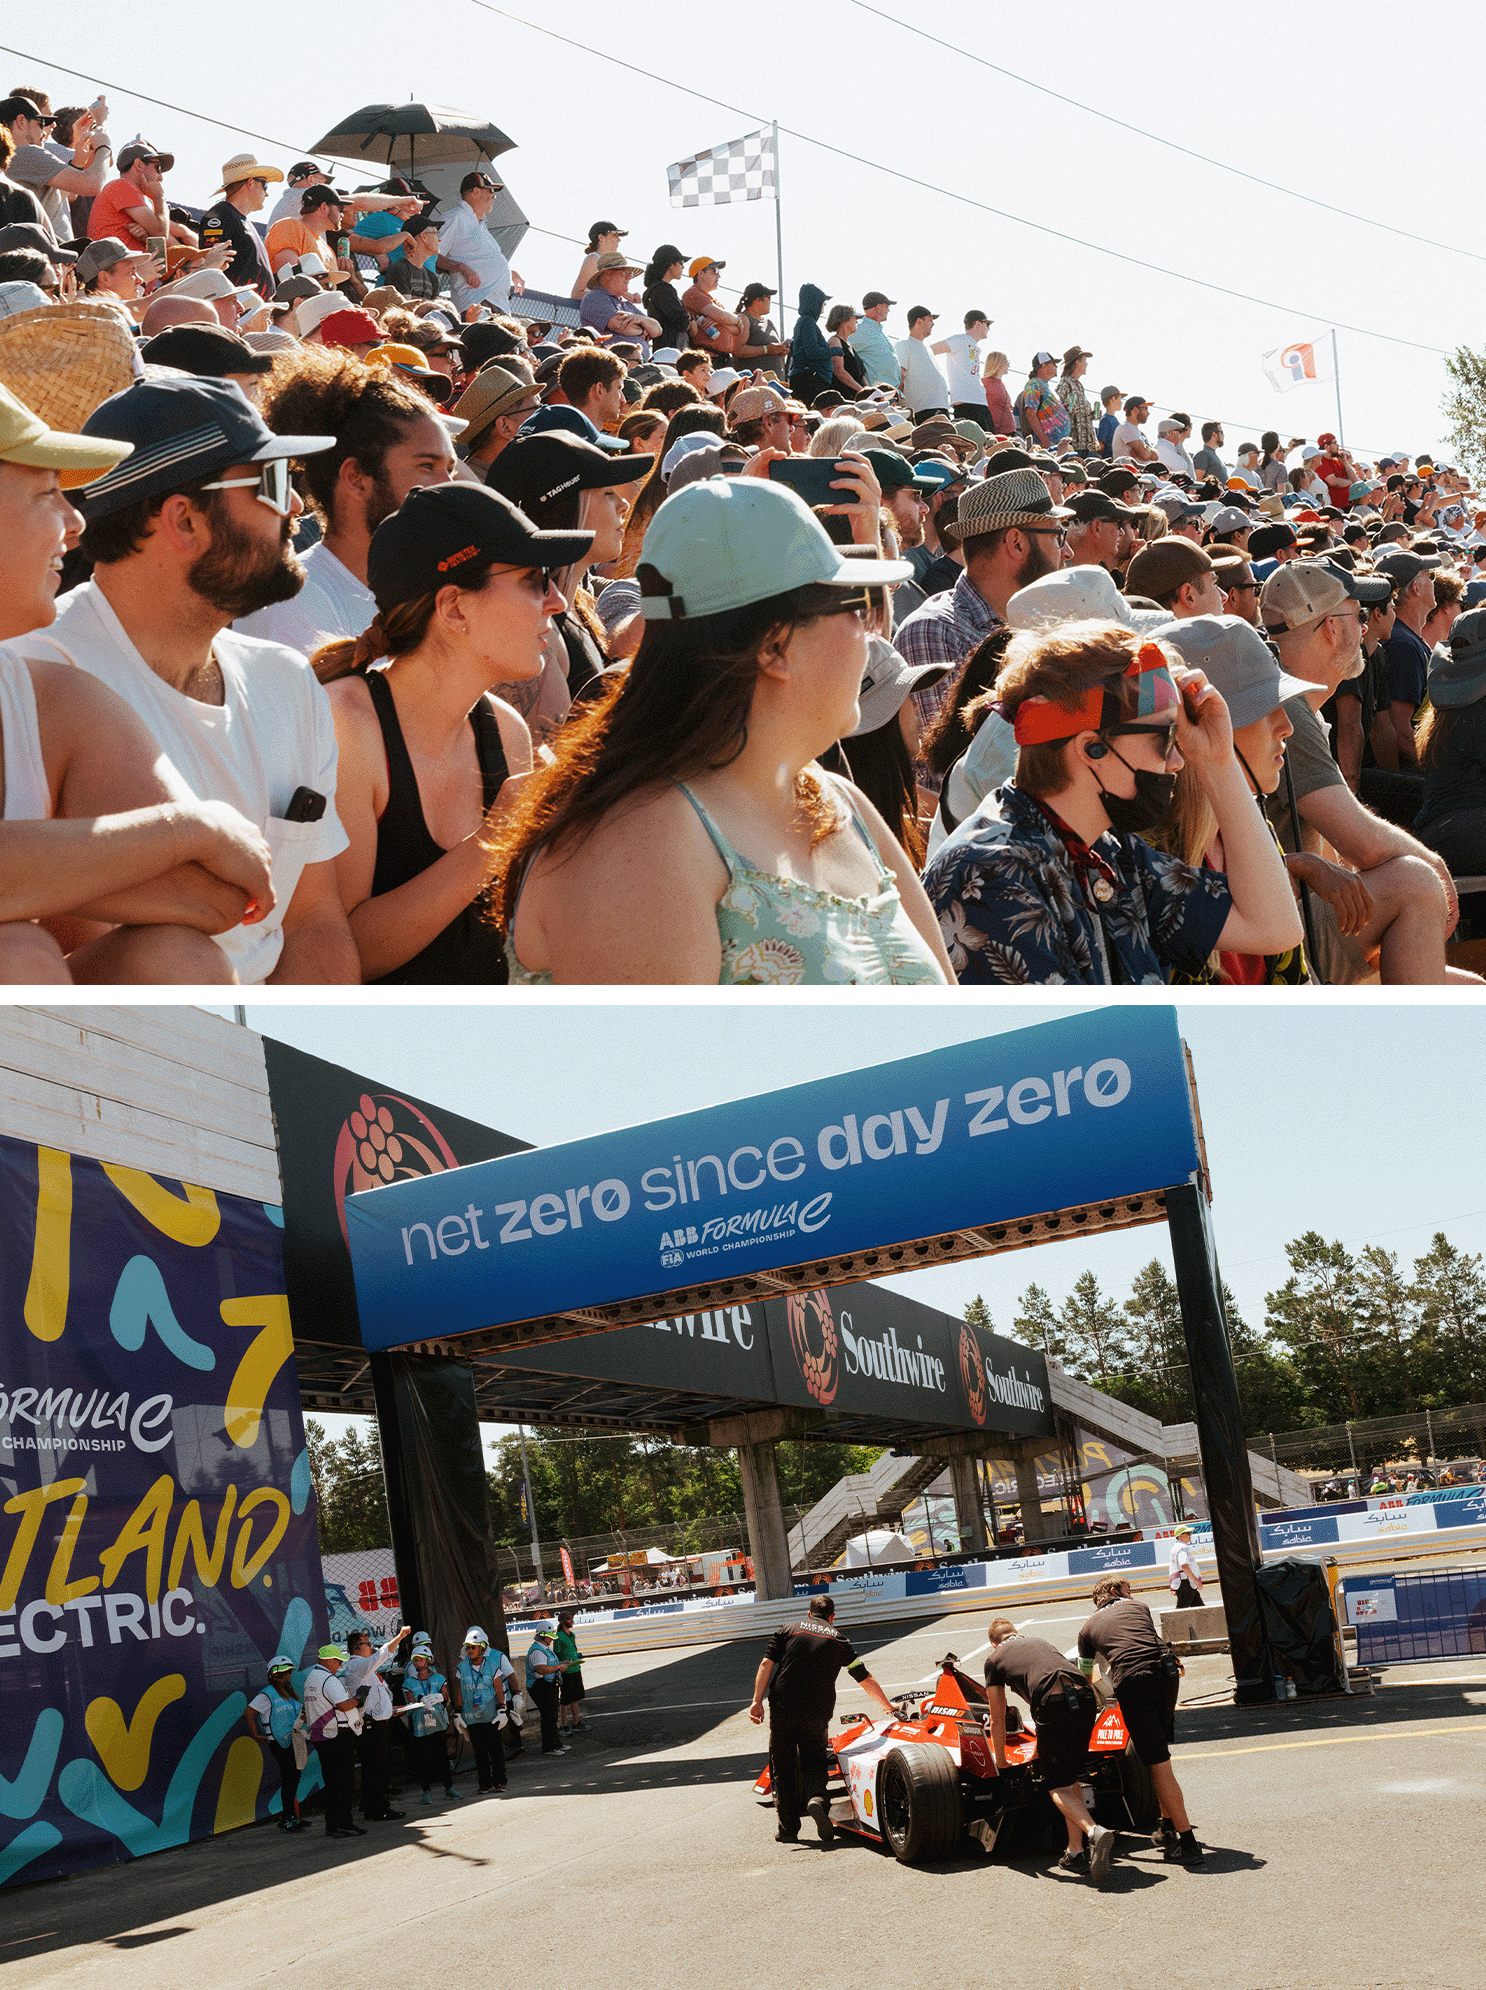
(1344, 1849)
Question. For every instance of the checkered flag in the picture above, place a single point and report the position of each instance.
(742, 170)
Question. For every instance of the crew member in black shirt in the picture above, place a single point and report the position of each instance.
(798, 1673)
(1145, 1673)
(1064, 1710)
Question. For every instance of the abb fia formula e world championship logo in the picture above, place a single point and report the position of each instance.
(385, 1139)
(814, 1342)
(972, 1374)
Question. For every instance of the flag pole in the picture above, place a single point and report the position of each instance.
(778, 227)
(1336, 374)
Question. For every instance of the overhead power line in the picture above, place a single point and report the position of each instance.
(238, 130)
(948, 193)
(1155, 138)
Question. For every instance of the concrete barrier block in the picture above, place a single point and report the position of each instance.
(1185, 1627)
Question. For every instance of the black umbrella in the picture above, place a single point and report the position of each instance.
(406, 136)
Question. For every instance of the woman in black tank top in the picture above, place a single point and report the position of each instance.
(465, 599)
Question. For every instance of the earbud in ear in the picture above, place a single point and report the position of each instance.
(1095, 750)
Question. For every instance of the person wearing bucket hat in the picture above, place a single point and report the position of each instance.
(483, 1683)
(1065, 833)
(1235, 657)
(680, 833)
(465, 598)
(89, 817)
(1452, 749)
(244, 190)
(878, 754)
(425, 1707)
(388, 441)
(189, 531)
(1315, 612)
(272, 1717)
(332, 1721)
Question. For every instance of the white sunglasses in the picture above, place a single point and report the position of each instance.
(271, 485)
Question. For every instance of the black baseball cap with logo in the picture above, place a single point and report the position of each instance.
(536, 469)
(440, 531)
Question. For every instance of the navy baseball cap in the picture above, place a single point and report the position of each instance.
(438, 529)
(572, 421)
(896, 473)
(181, 430)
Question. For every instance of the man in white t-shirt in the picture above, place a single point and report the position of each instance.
(967, 394)
(470, 254)
(1184, 1576)
(390, 442)
(923, 384)
(190, 530)
(1129, 439)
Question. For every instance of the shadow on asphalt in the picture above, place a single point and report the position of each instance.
(648, 1714)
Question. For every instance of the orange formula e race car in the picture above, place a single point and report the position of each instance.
(926, 1780)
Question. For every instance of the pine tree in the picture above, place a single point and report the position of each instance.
(1037, 1324)
(1158, 1341)
(1095, 1331)
(1314, 1314)
(1450, 1292)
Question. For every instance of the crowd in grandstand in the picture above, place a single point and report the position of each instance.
(368, 618)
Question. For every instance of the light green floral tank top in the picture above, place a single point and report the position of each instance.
(778, 933)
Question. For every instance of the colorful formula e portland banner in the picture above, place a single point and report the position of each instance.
(1035, 1120)
(157, 1527)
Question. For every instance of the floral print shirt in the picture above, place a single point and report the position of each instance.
(1013, 910)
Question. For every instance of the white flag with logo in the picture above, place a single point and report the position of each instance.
(1292, 365)
(741, 170)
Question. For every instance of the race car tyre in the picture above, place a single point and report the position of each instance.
(919, 1803)
(1124, 1795)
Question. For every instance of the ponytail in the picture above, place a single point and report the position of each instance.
(400, 629)
(351, 655)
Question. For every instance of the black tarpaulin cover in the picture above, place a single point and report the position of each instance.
(1298, 1618)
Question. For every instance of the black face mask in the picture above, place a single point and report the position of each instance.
(1129, 815)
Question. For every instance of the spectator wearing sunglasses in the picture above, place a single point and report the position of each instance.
(190, 530)
(1050, 881)
(463, 583)
(93, 816)
(470, 255)
(683, 832)
(244, 190)
(55, 181)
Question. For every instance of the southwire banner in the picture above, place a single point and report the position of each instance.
(1072, 1112)
(157, 1526)
(856, 1349)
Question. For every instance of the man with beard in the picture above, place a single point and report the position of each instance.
(387, 441)
(190, 530)
(1011, 533)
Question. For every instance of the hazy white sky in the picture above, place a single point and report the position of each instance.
(1358, 1119)
(1365, 110)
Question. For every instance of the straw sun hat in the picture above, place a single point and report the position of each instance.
(65, 360)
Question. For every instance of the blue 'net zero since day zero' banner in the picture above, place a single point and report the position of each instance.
(1078, 1111)
(157, 1523)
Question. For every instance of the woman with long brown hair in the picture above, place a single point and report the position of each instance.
(683, 832)
(462, 582)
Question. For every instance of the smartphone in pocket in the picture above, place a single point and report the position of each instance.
(809, 477)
